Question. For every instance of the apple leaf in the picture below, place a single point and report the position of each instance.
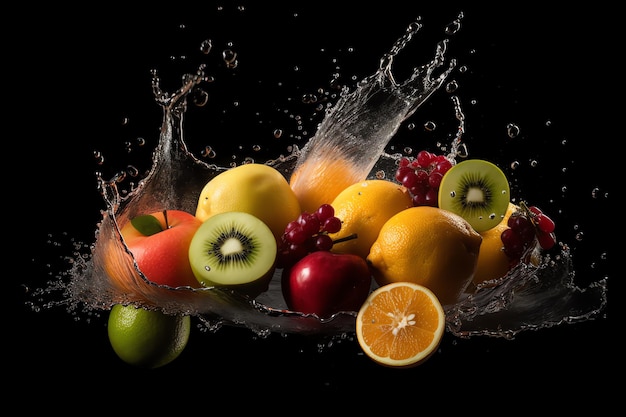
(147, 224)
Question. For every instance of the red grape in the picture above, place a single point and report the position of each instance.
(422, 176)
(307, 233)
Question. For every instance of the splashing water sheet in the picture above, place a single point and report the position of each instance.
(359, 126)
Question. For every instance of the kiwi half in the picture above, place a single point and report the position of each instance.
(476, 190)
(232, 249)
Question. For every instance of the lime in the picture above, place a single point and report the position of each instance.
(147, 338)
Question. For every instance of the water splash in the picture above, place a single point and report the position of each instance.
(359, 126)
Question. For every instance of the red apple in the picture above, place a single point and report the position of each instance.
(160, 242)
(324, 283)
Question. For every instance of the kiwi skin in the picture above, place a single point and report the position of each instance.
(488, 177)
(247, 278)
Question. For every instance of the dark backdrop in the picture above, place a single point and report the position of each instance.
(77, 75)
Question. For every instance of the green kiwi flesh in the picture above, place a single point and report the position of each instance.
(232, 248)
(476, 190)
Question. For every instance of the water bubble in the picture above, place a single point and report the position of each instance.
(515, 165)
(534, 163)
(512, 130)
(278, 133)
(410, 126)
(256, 148)
(380, 175)
(408, 150)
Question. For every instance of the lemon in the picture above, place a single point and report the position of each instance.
(147, 338)
(428, 246)
(363, 208)
(492, 261)
(257, 189)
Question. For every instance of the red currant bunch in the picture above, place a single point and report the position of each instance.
(527, 226)
(422, 176)
(306, 234)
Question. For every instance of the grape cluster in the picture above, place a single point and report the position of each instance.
(422, 176)
(306, 234)
(524, 226)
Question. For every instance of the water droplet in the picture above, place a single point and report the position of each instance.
(98, 157)
(595, 192)
(207, 268)
(230, 58)
(208, 152)
(453, 27)
(512, 130)
(309, 98)
(199, 97)
(452, 86)
(430, 126)
(132, 170)
(206, 45)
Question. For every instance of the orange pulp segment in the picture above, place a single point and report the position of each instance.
(400, 324)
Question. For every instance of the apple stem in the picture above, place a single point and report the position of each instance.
(167, 225)
(345, 238)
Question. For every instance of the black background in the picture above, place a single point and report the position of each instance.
(79, 73)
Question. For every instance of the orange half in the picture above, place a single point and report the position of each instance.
(400, 324)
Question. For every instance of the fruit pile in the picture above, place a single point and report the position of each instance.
(394, 252)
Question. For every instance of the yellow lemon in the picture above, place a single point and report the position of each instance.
(257, 189)
(492, 261)
(363, 208)
(428, 246)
